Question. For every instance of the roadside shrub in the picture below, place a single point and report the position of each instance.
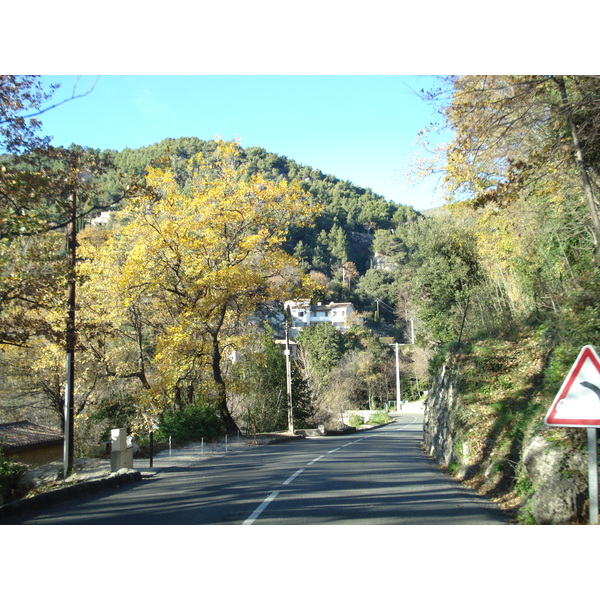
(11, 474)
(379, 418)
(191, 423)
(356, 420)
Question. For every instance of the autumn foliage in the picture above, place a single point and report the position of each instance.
(175, 279)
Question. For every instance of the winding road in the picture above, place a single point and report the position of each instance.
(372, 477)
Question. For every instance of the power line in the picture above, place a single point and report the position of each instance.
(392, 310)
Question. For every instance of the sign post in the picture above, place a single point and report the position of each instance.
(577, 404)
(592, 436)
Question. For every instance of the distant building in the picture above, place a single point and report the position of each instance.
(304, 314)
(102, 219)
(30, 443)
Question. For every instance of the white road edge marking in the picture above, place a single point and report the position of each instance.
(262, 507)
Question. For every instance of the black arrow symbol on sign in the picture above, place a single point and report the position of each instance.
(592, 387)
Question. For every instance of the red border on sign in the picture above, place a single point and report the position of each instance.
(586, 353)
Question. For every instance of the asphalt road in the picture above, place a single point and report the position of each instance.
(371, 477)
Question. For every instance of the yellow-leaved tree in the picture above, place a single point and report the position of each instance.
(176, 279)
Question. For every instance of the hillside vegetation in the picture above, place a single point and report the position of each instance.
(501, 389)
(522, 172)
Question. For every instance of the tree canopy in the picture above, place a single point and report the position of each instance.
(193, 265)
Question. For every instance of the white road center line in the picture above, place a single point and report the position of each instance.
(292, 477)
(259, 510)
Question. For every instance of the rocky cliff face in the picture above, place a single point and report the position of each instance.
(439, 429)
(540, 474)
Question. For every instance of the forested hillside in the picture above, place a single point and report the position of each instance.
(342, 233)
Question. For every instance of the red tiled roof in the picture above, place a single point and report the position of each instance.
(23, 435)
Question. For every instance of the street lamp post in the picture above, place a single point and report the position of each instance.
(288, 369)
(398, 395)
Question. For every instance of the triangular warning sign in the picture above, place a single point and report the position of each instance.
(577, 403)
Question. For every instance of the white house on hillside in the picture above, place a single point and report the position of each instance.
(304, 314)
(102, 219)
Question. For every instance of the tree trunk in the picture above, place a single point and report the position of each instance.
(587, 185)
(230, 425)
(462, 325)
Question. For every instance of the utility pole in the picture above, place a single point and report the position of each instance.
(71, 331)
(70, 336)
(288, 369)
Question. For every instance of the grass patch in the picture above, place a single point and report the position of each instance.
(379, 418)
(356, 420)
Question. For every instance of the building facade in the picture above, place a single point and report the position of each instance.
(304, 314)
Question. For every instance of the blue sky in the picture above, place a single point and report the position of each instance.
(358, 128)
